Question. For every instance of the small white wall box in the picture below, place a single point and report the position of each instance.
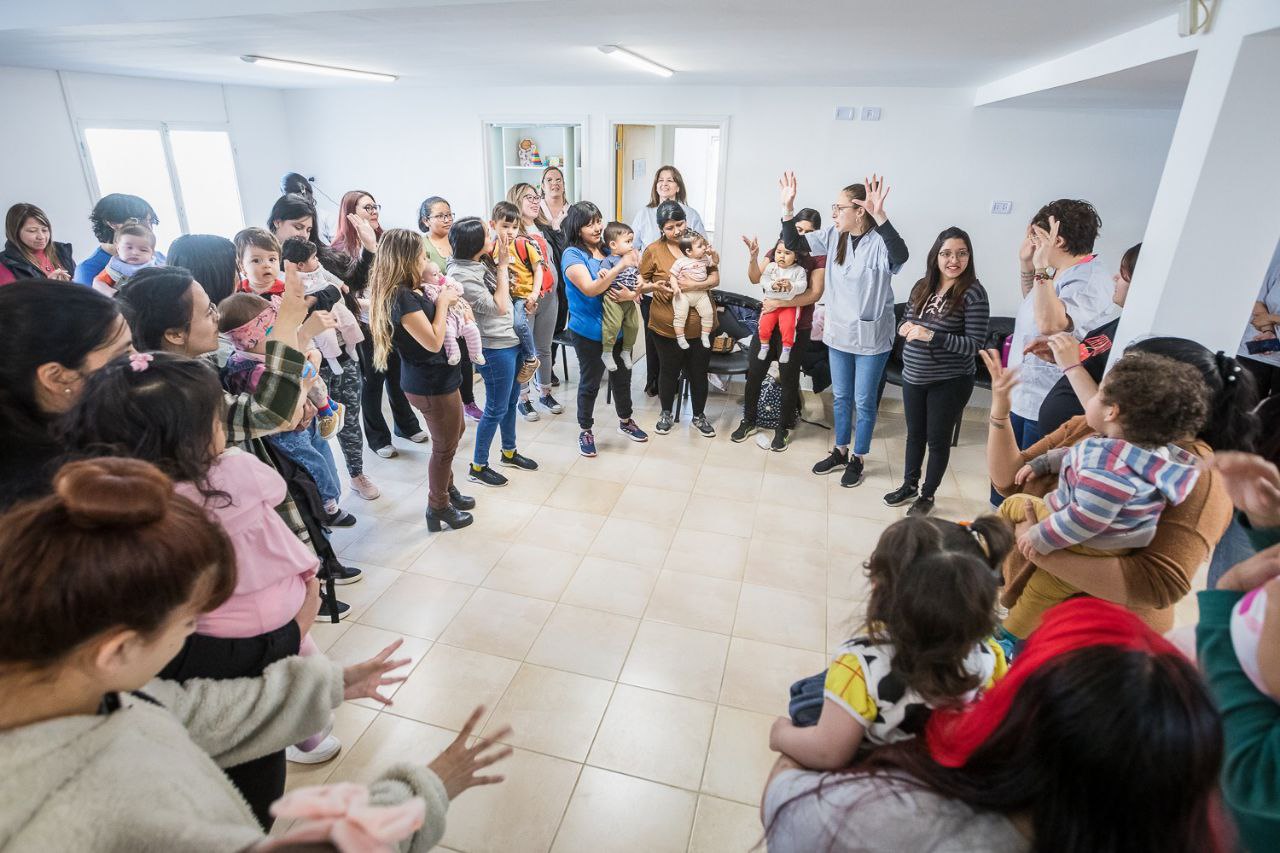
(870, 113)
(1002, 207)
(846, 113)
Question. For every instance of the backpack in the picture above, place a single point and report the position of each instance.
(769, 408)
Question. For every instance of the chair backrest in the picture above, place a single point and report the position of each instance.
(998, 329)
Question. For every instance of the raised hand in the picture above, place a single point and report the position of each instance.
(1003, 381)
(319, 321)
(1045, 241)
(752, 244)
(787, 190)
(362, 680)
(459, 764)
(368, 237)
(877, 192)
(502, 250)
(1253, 484)
(1026, 249)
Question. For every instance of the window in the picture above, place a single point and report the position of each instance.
(188, 176)
(697, 156)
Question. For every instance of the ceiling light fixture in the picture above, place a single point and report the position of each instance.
(635, 60)
(331, 70)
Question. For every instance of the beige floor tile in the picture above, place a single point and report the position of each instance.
(610, 585)
(588, 642)
(553, 456)
(362, 642)
(531, 570)
(845, 619)
(496, 517)
(550, 711)
(652, 505)
(723, 826)
(498, 623)
(350, 721)
(661, 471)
(694, 601)
(617, 460)
(732, 483)
(521, 814)
(375, 580)
(532, 487)
(565, 529)
(613, 813)
(745, 457)
(326, 633)
(464, 560)
(719, 515)
(585, 495)
(712, 554)
(396, 545)
(631, 541)
(782, 617)
(416, 605)
(851, 535)
(389, 740)
(676, 660)
(739, 758)
(794, 491)
(778, 563)
(654, 735)
(847, 576)
(758, 676)
(449, 683)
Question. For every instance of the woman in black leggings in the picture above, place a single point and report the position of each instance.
(806, 220)
(944, 327)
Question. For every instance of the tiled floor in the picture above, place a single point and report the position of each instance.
(637, 618)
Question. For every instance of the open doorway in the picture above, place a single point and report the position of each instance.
(695, 148)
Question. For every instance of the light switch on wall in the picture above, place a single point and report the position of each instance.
(846, 113)
(1002, 207)
(870, 113)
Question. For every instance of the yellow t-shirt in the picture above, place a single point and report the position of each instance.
(525, 258)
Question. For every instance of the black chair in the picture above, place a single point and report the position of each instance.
(998, 328)
(566, 344)
(735, 363)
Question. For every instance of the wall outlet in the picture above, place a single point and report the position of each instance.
(846, 113)
(870, 113)
(1002, 207)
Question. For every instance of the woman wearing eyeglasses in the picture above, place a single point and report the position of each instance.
(535, 226)
(944, 326)
(864, 252)
(554, 208)
(435, 218)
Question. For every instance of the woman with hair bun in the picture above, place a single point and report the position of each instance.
(105, 579)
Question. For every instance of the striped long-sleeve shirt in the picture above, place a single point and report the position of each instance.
(1110, 493)
(957, 337)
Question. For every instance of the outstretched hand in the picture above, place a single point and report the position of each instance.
(459, 764)
(1045, 241)
(873, 204)
(1253, 484)
(752, 244)
(363, 680)
(1003, 380)
(787, 190)
(364, 231)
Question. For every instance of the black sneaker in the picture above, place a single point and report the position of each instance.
(703, 426)
(781, 438)
(743, 432)
(837, 460)
(900, 495)
(344, 575)
(852, 475)
(922, 507)
(340, 518)
(527, 411)
(515, 460)
(327, 615)
(664, 424)
(485, 476)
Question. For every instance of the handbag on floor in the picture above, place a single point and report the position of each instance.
(769, 411)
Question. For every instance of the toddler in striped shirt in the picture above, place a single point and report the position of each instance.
(1112, 486)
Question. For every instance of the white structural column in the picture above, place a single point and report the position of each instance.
(1216, 219)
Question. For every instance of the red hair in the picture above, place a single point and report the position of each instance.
(345, 239)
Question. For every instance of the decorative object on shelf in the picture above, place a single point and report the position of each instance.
(528, 153)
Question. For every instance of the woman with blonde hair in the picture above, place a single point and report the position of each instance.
(403, 320)
(29, 249)
(534, 225)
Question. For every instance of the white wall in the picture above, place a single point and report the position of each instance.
(42, 164)
(945, 159)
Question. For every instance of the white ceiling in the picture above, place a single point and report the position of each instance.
(1158, 85)
(552, 42)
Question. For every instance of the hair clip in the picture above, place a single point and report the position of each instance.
(139, 361)
(977, 537)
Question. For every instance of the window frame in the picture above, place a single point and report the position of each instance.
(163, 128)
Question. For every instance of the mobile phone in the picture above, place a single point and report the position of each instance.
(1262, 346)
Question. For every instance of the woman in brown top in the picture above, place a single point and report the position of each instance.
(1150, 580)
(655, 269)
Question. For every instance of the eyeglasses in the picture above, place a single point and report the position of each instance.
(528, 197)
(371, 208)
(445, 216)
(948, 254)
(836, 208)
(211, 311)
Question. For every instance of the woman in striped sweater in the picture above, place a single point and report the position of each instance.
(945, 325)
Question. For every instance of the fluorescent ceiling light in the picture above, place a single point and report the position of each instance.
(635, 60)
(331, 70)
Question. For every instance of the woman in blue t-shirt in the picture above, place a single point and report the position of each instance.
(585, 287)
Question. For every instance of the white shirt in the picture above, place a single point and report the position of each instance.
(858, 294)
(1086, 290)
(646, 225)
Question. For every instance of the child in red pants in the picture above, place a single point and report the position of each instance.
(783, 279)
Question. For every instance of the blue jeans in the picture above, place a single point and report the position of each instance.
(501, 393)
(524, 331)
(855, 382)
(1234, 547)
(1026, 432)
(312, 452)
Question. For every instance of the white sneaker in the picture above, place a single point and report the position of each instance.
(420, 437)
(387, 452)
(326, 750)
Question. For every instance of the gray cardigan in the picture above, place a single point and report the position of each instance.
(145, 777)
(496, 330)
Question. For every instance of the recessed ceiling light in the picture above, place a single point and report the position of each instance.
(635, 60)
(331, 70)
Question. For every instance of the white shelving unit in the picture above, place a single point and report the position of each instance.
(561, 142)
